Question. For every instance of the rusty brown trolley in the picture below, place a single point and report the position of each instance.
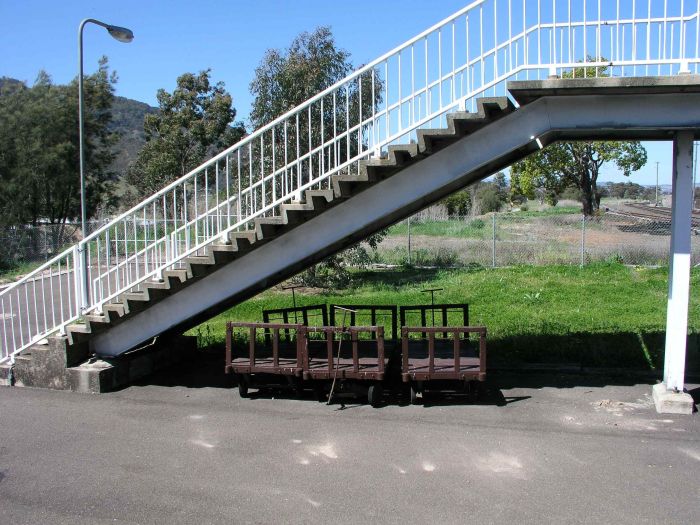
(291, 353)
(278, 355)
(438, 358)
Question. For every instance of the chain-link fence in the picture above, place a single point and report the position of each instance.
(496, 239)
(29, 245)
(505, 239)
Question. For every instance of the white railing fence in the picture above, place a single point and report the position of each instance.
(444, 69)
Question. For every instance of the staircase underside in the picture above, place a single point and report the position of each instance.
(412, 177)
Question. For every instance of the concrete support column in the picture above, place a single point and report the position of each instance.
(669, 395)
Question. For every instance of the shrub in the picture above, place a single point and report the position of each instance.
(489, 199)
(459, 203)
(440, 258)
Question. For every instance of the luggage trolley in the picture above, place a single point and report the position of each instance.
(441, 357)
(271, 356)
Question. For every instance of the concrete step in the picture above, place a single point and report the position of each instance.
(158, 290)
(6, 375)
(44, 366)
(200, 265)
(175, 277)
(346, 185)
(268, 227)
(115, 311)
(79, 333)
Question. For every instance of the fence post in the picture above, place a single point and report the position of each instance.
(409, 241)
(583, 239)
(493, 240)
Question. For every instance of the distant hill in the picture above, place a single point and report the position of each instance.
(7, 82)
(127, 119)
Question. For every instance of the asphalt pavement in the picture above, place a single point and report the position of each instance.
(185, 448)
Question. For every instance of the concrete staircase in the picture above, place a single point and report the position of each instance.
(40, 365)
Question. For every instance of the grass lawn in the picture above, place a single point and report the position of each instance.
(471, 228)
(599, 315)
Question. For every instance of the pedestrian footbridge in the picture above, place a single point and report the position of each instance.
(469, 96)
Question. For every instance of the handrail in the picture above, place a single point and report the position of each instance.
(468, 54)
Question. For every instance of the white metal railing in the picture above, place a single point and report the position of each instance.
(444, 69)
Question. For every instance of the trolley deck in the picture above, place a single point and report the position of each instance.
(435, 359)
(361, 359)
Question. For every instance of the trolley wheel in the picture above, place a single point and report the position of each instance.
(374, 394)
(320, 393)
(472, 391)
(243, 383)
(297, 387)
(414, 394)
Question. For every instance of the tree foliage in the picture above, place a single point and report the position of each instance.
(575, 164)
(39, 148)
(488, 199)
(193, 121)
(287, 78)
(627, 190)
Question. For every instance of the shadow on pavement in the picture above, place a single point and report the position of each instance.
(695, 393)
(206, 370)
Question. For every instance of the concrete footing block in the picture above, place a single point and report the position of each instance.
(6, 378)
(671, 402)
(92, 377)
(102, 375)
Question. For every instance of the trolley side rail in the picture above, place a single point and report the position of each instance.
(444, 314)
(297, 315)
(434, 367)
(281, 346)
(365, 359)
(373, 312)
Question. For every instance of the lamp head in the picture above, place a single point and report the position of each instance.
(121, 33)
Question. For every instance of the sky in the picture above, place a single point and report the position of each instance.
(230, 37)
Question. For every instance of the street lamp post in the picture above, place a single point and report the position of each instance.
(121, 34)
